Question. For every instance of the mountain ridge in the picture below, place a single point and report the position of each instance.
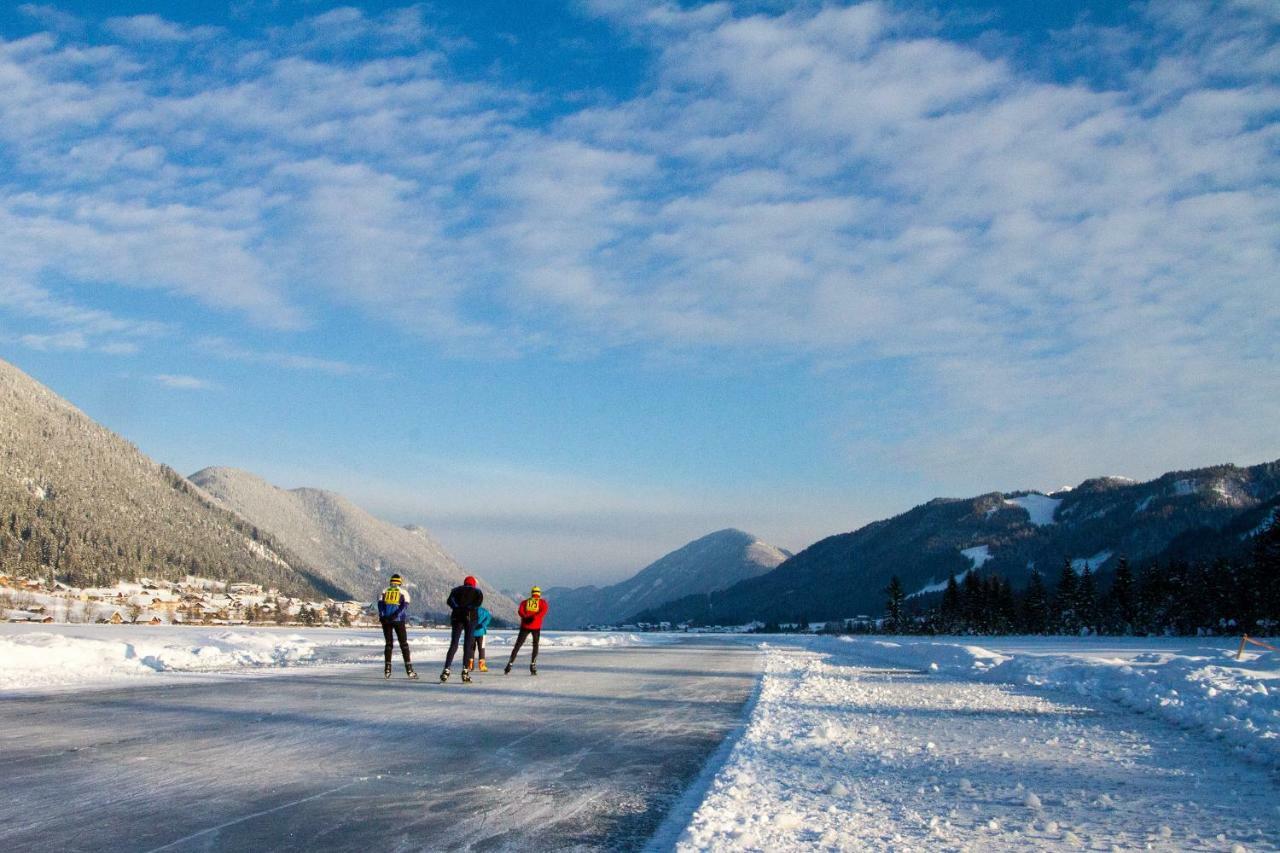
(87, 506)
(708, 563)
(345, 542)
(1007, 533)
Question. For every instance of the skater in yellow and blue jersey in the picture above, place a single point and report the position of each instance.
(393, 612)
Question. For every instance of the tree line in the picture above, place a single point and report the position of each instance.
(1223, 595)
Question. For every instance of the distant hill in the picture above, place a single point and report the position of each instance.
(715, 561)
(348, 545)
(1006, 534)
(80, 503)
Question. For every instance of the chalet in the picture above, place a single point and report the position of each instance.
(116, 618)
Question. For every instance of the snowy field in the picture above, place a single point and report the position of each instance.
(1025, 743)
(198, 738)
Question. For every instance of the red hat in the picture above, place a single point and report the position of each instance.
(469, 580)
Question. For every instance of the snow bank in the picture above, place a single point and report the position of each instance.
(602, 640)
(53, 659)
(847, 751)
(1196, 687)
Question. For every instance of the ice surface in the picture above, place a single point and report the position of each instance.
(590, 754)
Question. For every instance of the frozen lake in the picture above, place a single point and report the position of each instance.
(589, 754)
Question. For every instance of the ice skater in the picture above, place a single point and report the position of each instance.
(531, 611)
(393, 610)
(464, 602)
(483, 617)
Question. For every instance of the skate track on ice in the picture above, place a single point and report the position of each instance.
(589, 754)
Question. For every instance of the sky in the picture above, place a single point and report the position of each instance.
(572, 284)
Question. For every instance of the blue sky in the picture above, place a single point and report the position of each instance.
(572, 284)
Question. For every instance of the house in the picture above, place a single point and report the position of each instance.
(116, 618)
(154, 620)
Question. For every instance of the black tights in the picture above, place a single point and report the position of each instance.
(388, 628)
(468, 651)
(524, 632)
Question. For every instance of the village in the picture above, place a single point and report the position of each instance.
(191, 601)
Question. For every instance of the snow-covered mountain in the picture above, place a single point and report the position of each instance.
(715, 561)
(351, 547)
(1009, 534)
(84, 506)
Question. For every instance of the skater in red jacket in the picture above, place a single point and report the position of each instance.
(532, 611)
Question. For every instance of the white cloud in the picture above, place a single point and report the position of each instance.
(845, 185)
(59, 341)
(153, 28)
(228, 350)
(182, 382)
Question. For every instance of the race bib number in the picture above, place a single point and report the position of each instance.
(391, 596)
(533, 605)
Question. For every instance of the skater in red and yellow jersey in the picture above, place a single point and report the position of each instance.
(531, 611)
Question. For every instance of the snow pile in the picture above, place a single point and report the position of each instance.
(46, 659)
(601, 640)
(978, 555)
(1235, 701)
(912, 654)
(1202, 688)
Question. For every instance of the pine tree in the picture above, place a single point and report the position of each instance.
(1035, 605)
(951, 615)
(1122, 601)
(1064, 601)
(897, 597)
(1087, 600)
(971, 602)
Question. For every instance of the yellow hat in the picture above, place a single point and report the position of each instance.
(537, 590)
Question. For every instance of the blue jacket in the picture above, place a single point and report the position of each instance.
(393, 605)
(482, 621)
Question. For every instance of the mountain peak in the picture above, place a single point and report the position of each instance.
(709, 563)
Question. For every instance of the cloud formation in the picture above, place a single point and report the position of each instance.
(1058, 264)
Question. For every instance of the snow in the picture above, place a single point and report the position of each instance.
(1183, 488)
(938, 586)
(1144, 503)
(840, 752)
(978, 555)
(1080, 563)
(1263, 526)
(1189, 683)
(1040, 508)
(845, 743)
(60, 656)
